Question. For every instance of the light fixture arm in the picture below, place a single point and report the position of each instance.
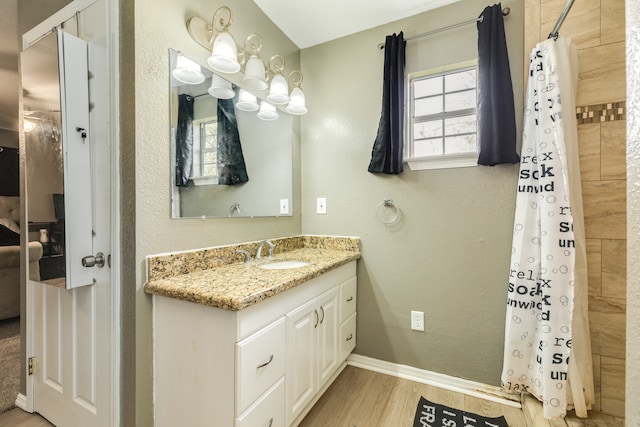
(295, 78)
(219, 18)
(253, 44)
(276, 64)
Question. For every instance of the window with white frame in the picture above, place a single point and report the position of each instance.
(442, 118)
(205, 145)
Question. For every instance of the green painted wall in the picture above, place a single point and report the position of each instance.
(449, 254)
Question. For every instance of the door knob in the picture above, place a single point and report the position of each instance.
(91, 260)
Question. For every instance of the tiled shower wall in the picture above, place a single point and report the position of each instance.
(597, 28)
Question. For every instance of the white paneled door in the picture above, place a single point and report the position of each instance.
(73, 339)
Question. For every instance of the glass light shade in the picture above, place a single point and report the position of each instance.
(297, 104)
(187, 71)
(246, 101)
(224, 54)
(267, 111)
(279, 90)
(254, 75)
(221, 88)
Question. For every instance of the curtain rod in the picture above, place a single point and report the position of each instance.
(561, 18)
(505, 12)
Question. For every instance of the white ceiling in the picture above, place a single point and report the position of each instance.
(308, 23)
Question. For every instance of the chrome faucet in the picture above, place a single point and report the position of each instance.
(261, 245)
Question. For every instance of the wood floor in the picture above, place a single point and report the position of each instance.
(18, 418)
(362, 398)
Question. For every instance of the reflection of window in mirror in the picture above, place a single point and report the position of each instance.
(205, 142)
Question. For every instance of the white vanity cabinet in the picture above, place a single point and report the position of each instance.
(312, 349)
(265, 365)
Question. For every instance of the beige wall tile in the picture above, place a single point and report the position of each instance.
(582, 23)
(594, 266)
(614, 145)
(605, 209)
(596, 382)
(529, 3)
(589, 148)
(602, 74)
(614, 268)
(607, 324)
(612, 385)
(613, 21)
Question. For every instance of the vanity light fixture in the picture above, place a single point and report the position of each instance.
(187, 71)
(254, 70)
(267, 111)
(224, 52)
(247, 101)
(297, 102)
(278, 90)
(221, 88)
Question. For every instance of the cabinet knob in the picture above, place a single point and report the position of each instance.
(317, 318)
(266, 363)
(322, 310)
(270, 422)
(349, 299)
(350, 337)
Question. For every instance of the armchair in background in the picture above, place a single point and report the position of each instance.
(10, 257)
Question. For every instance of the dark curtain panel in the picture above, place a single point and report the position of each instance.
(184, 140)
(231, 167)
(386, 156)
(496, 111)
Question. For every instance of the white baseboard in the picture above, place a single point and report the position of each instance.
(21, 402)
(459, 385)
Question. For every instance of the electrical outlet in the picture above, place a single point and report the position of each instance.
(322, 206)
(284, 206)
(417, 320)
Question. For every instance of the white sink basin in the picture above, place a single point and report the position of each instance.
(283, 265)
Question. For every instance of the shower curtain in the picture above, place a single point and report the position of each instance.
(547, 347)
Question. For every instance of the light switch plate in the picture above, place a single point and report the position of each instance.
(284, 206)
(322, 206)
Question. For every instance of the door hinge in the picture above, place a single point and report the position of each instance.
(32, 365)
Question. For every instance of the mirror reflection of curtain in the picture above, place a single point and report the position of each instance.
(184, 140)
(231, 167)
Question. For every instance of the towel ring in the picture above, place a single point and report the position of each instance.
(387, 203)
(234, 208)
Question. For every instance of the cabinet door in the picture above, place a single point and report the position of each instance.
(301, 375)
(328, 334)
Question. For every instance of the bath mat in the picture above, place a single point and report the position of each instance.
(430, 414)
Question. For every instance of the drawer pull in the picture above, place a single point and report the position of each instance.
(349, 299)
(322, 310)
(350, 337)
(266, 363)
(317, 318)
(270, 422)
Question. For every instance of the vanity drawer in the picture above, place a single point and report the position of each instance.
(347, 337)
(260, 361)
(348, 292)
(268, 411)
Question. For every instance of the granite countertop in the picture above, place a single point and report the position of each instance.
(236, 286)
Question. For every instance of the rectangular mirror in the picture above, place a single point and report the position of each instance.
(58, 158)
(226, 162)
